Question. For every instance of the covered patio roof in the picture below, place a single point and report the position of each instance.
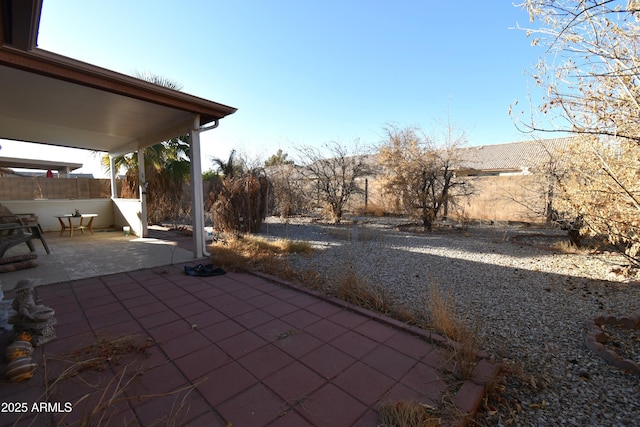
(52, 99)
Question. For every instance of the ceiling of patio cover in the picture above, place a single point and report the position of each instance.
(48, 98)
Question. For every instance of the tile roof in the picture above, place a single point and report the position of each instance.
(515, 156)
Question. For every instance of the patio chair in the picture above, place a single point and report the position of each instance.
(30, 225)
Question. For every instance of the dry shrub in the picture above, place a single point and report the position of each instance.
(442, 313)
(241, 204)
(567, 247)
(354, 289)
(373, 209)
(407, 414)
(288, 195)
(443, 316)
(311, 278)
(211, 188)
(294, 246)
(257, 253)
(129, 187)
(257, 246)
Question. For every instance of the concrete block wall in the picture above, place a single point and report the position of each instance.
(506, 198)
(495, 198)
(32, 188)
(46, 210)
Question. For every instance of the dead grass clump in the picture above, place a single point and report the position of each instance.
(103, 405)
(119, 361)
(105, 353)
(257, 253)
(256, 245)
(407, 414)
(466, 353)
(442, 313)
(442, 316)
(403, 314)
(352, 288)
(287, 246)
(312, 279)
(567, 247)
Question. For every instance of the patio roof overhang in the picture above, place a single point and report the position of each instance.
(52, 99)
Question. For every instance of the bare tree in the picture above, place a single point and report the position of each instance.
(334, 171)
(288, 195)
(420, 172)
(593, 86)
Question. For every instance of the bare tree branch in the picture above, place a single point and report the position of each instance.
(335, 171)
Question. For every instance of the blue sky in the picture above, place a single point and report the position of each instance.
(308, 72)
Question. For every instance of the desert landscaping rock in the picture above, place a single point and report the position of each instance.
(529, 304)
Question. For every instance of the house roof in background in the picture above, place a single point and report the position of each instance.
(13, 162)
(514, 156)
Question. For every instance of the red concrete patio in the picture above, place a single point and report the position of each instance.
(237, 349)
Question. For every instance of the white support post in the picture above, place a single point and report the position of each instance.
(197, 204)
(142, 188)
(112, 168)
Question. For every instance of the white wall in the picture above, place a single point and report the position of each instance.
(128, 212)
(46, 210)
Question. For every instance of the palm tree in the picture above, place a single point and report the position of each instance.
(171, 157)
(230, 168)
(167, 167)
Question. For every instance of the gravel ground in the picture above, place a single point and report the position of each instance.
(529, 305)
